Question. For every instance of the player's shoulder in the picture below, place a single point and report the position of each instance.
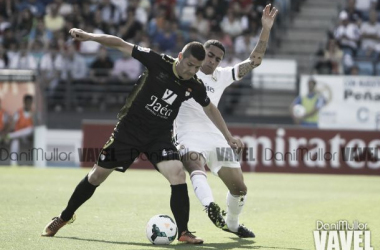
(197, 80)
(167, 58)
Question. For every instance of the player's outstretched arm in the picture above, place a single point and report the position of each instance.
(213, 113)
(254, 60)
(106, 40)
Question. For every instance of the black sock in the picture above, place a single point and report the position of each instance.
(180, 205)
(81, 194)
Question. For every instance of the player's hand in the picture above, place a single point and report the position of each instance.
(80, 35)
(269, 15)
(236, 144)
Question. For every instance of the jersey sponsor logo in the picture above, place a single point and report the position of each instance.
(169, 96)
(158, 109)
(143, 49)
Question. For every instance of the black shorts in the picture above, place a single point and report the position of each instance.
(127, 142)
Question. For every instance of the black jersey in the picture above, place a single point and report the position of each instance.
(157, 95)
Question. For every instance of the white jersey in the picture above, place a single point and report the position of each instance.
(191, 117)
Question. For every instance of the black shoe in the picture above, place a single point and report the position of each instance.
(213, 211)
(242, 232)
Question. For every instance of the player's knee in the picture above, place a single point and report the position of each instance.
(193, 162)
(177, 176)
(96, 177)
(239, 189)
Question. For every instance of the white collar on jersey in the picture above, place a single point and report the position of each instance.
(213, 75)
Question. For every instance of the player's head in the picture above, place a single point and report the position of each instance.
(214, 54)
(28, 101)
(190, 60)
(312, 83)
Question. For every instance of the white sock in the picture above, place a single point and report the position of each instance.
(235, 205)
(201, 188)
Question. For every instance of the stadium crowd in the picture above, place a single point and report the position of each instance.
(34, 35)
(353, 46)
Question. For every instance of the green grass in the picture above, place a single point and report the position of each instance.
(282, 209)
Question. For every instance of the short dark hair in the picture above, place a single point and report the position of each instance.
(216, 43)
(195, 49)
(28, 98)
(313, 81)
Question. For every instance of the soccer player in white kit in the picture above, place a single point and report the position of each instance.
(199, 140)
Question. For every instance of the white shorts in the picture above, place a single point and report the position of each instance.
(212, 146)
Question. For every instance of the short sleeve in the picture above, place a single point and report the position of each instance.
(145, 55)
(200, 95)
(228, 75)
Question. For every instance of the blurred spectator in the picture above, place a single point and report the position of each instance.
(219, 8)
(330, 60)
(53, 20)
(40, 34)
(231, 25)
(166, 38)
(168, 6)
(121, 5)
(245, 43)
(74, 65)
(158, 22)
(23, 59)
(363, 5)
(4, 59)
(142, 10)
(312, 103)
(22, 125)
(347, 34)
(131, 27)
(101, 67)
(10, 43)
(4, 123)
(126, 69)
(200, 23)
(36, 7)
(236, 8)
(51, 67)
(354, 15)
(110, 14)
(354, 70)
(7, 8)
(78, 16)
(194, 36)
(64, 8)
(24, 23)
(370, 35)
(4, 24)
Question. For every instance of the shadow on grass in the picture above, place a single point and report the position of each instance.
(237, 244)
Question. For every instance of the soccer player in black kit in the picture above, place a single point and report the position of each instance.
(145, 126)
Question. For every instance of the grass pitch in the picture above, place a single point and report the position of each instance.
(282, 209)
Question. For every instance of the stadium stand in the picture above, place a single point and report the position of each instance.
(40, 29)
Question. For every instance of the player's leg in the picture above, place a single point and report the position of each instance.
(195, 165)
(83, 191)
(114, 154)
(173, 171)
(236, 197)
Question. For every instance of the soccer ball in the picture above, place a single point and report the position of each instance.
(161, 230)
(299, 110)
